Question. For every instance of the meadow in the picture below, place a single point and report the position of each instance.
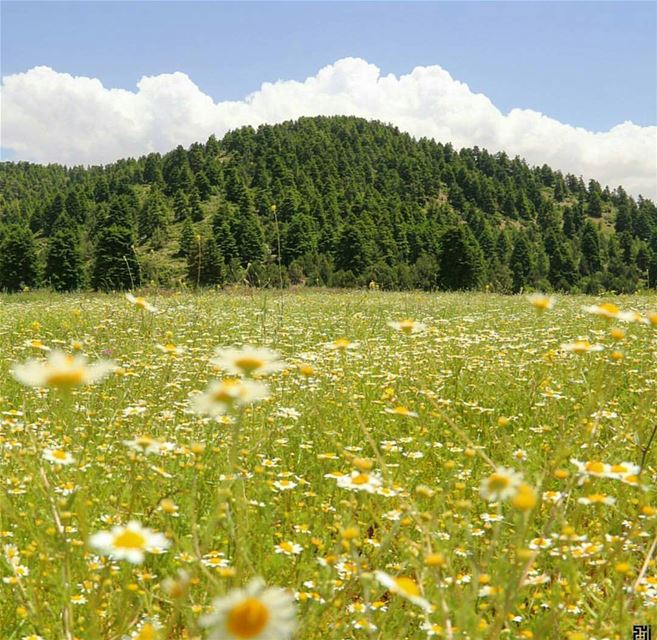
(473, 473)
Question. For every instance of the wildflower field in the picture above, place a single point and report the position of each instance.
(326, 465)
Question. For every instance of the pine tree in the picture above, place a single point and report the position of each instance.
(18, 260)
(205, 264)
(187, 238)
(63, 256)
(154, 215)
(590, 246)
(300, 238)
(115, 262)
(195, 210)
(521, 263)
(460, 262)
(222, 228)
(180, 206)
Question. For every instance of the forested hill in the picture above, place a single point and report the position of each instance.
(335, 201)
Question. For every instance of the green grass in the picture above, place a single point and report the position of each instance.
(490, 386)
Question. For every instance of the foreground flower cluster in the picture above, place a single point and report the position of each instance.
(380, 465)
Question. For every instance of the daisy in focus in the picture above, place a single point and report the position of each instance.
(61, 371)
(223, 396)
(360, 481)
(140, 303)
(129, 543)
(256, 612)
(248, 361)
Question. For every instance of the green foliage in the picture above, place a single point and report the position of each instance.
(18, 261)
(115, 262)
(353, 200)
(63, 257)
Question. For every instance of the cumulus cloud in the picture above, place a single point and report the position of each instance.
(49, 116)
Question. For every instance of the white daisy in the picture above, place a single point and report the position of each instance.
(61, 371)
(408, 326)
(254, 613)
(360, 481)
(223, 396)
(248, 361)
(58, 456)
(503, 483)
(129, 543)
(405, 587)
(140, 302)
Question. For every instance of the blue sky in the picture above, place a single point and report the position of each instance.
(589, 64)
(569, 84)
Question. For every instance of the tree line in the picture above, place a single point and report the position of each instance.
(332, 201)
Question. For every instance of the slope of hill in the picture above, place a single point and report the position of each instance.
(335, 201)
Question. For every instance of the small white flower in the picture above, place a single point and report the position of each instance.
(129, 543)
(248, 361)
(223, 396)
(140, 303)
(408, 327)
(405, 587)
(58, 456)
(360, 481)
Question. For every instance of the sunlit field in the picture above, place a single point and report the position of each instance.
(476, 473)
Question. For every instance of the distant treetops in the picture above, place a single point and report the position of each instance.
(334, 201)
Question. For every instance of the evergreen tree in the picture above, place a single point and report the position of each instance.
(187, 238)
(180, 206)
(522, 263)
(460, 262)
(205, 264)
(590, 245)
(63, 256)
(18, 260)
(115, 262)
(223, 222)
(195, 206)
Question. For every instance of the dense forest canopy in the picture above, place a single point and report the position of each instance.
(336, 201)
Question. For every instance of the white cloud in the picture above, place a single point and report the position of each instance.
(55, 117)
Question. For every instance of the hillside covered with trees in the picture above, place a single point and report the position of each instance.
(335, 201)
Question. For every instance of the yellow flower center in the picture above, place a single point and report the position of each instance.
(610, 308)
(286, 546)
(498, 481)
(248, 618)
(227, 391)
(144, 442)
(147, 632)
(249, 364)
(341, 343)
(619, 468)
(140, 302)
(402, 411)
(129, 540)
(65, 377)
(597, 497)
(407, 586)
(59, 454)
(361, 478)
(406, 326)
(581, 346)
(541, 303)
(595, 467)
